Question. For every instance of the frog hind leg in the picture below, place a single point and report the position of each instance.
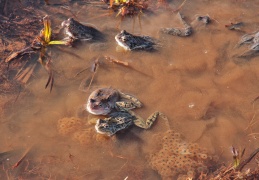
(125, 105)
(140, 122)
(132, 103)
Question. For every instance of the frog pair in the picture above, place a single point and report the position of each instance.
(117, 105)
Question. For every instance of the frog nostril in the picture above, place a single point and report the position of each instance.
(92, 100)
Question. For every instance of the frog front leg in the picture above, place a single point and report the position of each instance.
(140, 122)
(86, 37)
(132, 102)
(147, 47)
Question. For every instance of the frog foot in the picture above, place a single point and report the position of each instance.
(140, 122)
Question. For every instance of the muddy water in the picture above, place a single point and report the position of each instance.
(205, 92)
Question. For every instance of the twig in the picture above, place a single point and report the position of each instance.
(94, 69)
(66, 51)
(47, 66)
(102, 15)
(66, 8)
(20, 89)
(23, 157)
(116, 61)
(180, 7)
(91, 80)
(126, 64)
(81, 71)
(17, 54)
(28, 75)
(246, 161)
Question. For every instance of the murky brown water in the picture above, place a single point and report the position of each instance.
(195, 81)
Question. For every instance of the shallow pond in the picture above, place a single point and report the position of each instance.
(206, 93)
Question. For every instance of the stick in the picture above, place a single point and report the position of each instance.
(180, 7)
(28, 75)
(246, 161)
(23, 157)
(18, 53)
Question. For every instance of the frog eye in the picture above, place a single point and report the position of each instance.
(123, 38)
(199, 18)
(99, 93)
(92, 100)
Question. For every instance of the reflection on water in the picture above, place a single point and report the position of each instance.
(207, 96)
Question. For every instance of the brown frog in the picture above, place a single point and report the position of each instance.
(103, 100)
(187, 30)
(130, 42)
(77, 31)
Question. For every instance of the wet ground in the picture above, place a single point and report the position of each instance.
(197, 82)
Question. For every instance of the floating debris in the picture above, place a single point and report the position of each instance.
(234, 26)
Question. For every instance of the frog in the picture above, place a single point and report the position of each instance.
(118, 121)
(250, 52)
(245, 39)
(204, 19)
(256, 38)
(187, 30)
(182, 32)
(74, 30)
(253, 45)
(235, 26)
(252, 38)
(130, 42)
(103, 101)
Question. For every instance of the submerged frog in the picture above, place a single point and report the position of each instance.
(249, 39)
(253, 41)
(204, 19)
(104, 100)
(252, 51)
(118, 121)
(75, 30)
(187, 29)
(131, 42)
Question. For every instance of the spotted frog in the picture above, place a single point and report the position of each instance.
(118, 121)
(253, 45)
(249, 39)
(130, 42)
(187, 30)
(75, 30)
(104, 100)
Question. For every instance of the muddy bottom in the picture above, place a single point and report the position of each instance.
(208, 94)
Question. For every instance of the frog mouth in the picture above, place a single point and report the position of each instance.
(97, 110)
(122, 44)
(102, 131)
